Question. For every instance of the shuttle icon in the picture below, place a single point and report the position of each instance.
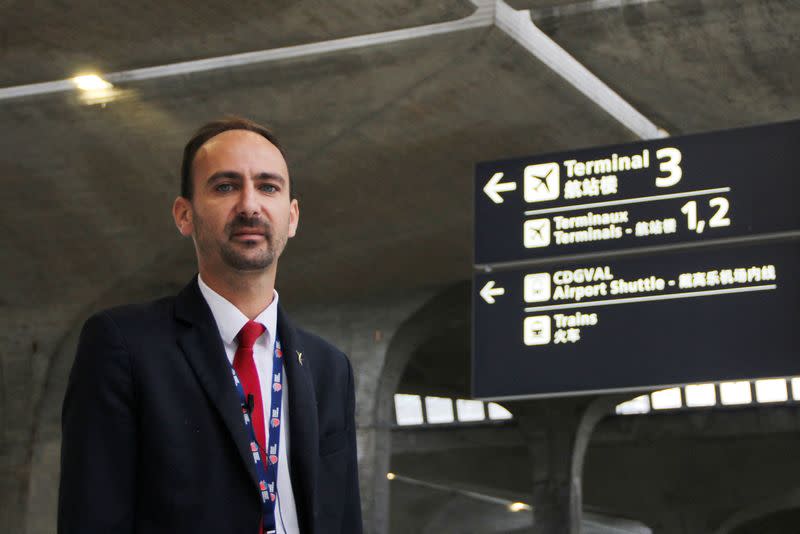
(537, 287)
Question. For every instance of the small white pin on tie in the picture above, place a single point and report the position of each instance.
(299, 357)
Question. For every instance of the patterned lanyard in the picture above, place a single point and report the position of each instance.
(267, 477)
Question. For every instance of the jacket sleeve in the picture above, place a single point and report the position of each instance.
(351, 521)
(98, 444)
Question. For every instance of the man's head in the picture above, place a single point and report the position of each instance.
(212, 129)
(236, 199)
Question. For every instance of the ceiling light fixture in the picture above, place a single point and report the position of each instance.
(518, 506)
(91, 82)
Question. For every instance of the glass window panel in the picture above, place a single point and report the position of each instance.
(470, 410)
(796, 388)
(439, 409)
(772, 390)
(735, 393)
(700, 395)
(408, 409)
(666, 399)
(640, 404)
(497, 412)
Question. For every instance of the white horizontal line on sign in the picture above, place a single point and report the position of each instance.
(631, 200)
(653, 297)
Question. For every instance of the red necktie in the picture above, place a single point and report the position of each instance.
(245, 367)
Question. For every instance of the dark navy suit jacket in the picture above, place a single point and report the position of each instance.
(153, 439)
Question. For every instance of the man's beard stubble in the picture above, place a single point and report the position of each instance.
(231, 252)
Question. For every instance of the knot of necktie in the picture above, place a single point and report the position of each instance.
(249, 333)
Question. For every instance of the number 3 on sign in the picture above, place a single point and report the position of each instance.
(672, 166)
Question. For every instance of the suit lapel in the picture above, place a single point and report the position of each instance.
(199, 339)
(303, 431)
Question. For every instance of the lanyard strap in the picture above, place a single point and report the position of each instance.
(267, 476)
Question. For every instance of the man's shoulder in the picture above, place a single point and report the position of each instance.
(320, 350)
(144, 315)
(132, 329)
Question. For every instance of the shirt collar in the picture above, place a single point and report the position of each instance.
(230, 319)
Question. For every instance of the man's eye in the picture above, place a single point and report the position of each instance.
(268, 188)
(224, 188)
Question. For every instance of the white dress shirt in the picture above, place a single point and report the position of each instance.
(229, 322)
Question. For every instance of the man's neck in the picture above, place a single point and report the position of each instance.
(250, 292)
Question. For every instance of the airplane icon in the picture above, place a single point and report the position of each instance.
(536, 233)
(542, 182)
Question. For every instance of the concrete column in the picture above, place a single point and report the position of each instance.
(38, 506)
(558, 433)
(377, 339)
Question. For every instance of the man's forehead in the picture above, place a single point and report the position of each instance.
(233, 139)
(241, 145)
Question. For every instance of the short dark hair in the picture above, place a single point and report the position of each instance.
(212, 129)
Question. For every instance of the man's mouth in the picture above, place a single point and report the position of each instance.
(248, 234)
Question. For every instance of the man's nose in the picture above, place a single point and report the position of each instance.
(248, 199)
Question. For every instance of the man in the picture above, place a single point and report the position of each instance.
(209, 411)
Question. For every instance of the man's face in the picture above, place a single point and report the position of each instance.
(241, 214)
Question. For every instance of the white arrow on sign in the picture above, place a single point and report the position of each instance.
(493, 187)
(489, 292)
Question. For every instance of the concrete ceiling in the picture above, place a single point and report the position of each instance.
(691, 65)
(382, 139)
(382, 143)
(52, 39)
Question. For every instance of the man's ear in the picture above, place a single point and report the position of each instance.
(182, 214)
(294, 217)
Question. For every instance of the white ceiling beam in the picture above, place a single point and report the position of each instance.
(516, 23)
(483, 16)
(587, 6)
(520, 27)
